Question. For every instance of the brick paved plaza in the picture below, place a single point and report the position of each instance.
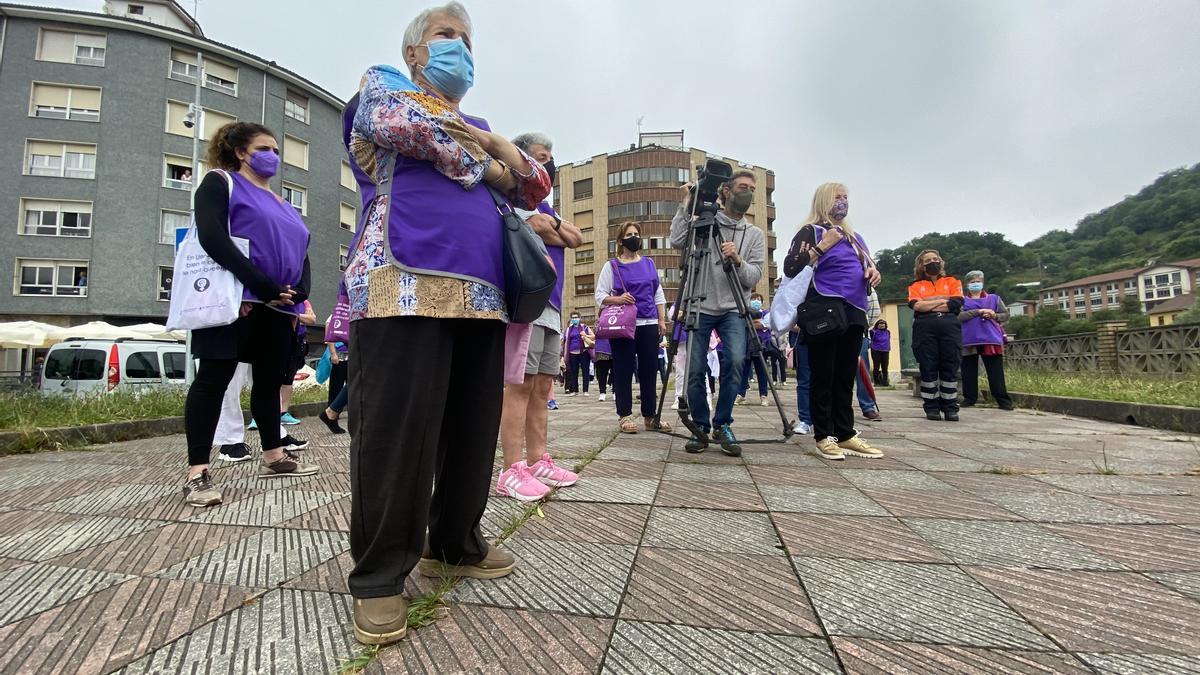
(1000, 544)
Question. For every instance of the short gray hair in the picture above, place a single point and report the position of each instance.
(527, 141)
(973, 274)
(412, 34)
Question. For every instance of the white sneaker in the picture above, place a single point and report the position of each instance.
(802, 429)
(586, 394)
(762, 400)
(601, 397)
(675, 405)
(741, 400)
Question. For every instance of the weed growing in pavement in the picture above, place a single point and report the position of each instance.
(999, 470)
(1106, 469)
(356, 664)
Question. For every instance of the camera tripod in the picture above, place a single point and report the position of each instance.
(704, 237)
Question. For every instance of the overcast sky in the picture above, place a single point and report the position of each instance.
(1017, 116)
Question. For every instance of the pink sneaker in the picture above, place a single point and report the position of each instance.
(545, 471)
(517, 482)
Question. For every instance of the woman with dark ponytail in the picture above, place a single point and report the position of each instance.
(235, 200)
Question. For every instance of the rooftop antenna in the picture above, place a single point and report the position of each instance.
(639, 123)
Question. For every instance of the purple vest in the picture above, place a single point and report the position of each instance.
(978, 330)
(559, 256)
(881, 340)
(574, 338)
(764, 335)
(839, 274)
(278, 237)
(366, 186)
(603, 346)
(639, 279)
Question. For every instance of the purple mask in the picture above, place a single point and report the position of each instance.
(841, 206)
(265, 163)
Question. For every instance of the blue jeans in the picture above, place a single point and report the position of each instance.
(759, 372)
(865, 402)
(732, 330)
(803, 382)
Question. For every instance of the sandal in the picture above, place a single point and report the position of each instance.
(628, 426)
(664, 427)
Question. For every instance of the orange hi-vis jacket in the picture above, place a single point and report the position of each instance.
(946, 287)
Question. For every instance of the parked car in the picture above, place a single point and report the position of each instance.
(83, 367)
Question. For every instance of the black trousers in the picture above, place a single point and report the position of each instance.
(578, 364)
(425, 399)
(937, 344)
(337, 379)
(834, 365)
(879, 366)
(644, 348)
(603, 374)
(995, 374)
(779, 366)
(264, 338)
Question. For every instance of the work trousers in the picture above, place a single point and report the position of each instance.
(937, 344)
(425, 401)
(337, 379)
(995, 374)
(603, 374)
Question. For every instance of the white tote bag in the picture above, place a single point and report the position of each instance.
(204, 294)
(790, 295)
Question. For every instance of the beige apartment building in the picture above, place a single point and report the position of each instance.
(1152, 285)
(641, 184)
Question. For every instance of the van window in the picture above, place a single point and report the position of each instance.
(142, 365)
(175, 363)
(75, 364)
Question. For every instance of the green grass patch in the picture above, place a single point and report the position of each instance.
(1182, 391)
(30, 411)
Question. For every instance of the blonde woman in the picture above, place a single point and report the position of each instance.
(843, 275)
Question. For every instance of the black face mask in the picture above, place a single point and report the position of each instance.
(551, 169)
(632, 243)
(933, 268)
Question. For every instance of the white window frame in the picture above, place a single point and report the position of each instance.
(68, 113)
(349, 227)
(343, 257)
(58, 220)
(219, 84)
(169, 238)
(295, 189)
(62, 171)
(75, 48)
(158, 282)
(175, 183)
(87, 60)
(294, 110)
(298, 142)
(57, 266)
(190, 70)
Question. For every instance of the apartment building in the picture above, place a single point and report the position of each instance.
(1150, 285)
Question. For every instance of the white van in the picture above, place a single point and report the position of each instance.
(81, 367)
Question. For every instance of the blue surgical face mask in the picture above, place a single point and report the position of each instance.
(756, 305)
(975, 286)
(451, 68)
(574, 321)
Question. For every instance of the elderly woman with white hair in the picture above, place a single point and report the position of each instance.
(983, 317)
(425, 283)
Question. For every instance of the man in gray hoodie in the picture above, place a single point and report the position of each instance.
(745, 247)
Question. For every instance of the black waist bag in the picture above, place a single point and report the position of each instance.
(821, 318)
(529, 277)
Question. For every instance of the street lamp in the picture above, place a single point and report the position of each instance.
(193, 120)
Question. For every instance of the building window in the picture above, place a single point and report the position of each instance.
(168, 222)
(658, 174)
(343, 257)
(1096, 302)
(164, 282)
(348, 181)
(67, 160)
(177, 173)
(295, 106)
(62, 102)
(585, 285)
(1162, 279)
(583, 188)
(1163, 292)
(210, 120)
(183, 65)
(220, 77)
(137, 9)
(56, 218)
(84, 49)
(1131, 284)
(1148, 281)
(295, 152)
(584, 255)
(1080, 303)
(1149, 294)
(52, 277)
(1114, 299)
(1175, 277)
(347, 217)
(296, 196)
(583, 220)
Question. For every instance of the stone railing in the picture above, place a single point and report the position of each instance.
(1166, 350)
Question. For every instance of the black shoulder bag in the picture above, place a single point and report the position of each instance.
(529, 276)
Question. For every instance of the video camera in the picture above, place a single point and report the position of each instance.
(706, 191)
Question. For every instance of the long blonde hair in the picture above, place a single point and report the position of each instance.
(822, 203)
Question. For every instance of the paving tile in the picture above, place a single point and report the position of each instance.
(588, 522)
(1107, 485)
(606, 468)
(640, 647)
(912, 602)
(943, 463)
(991, 482)
(172, 507)
(1160, 508)
(1187, 583)
(917, 503)
(332, 516)
(28, 497)
(840, 501)
(707, 473)
(698, 588)
(1099, 611)
(103, 631)
(267, 508)
(611, 490)
(858, 537)
(793, 456)
(1135, 664)
(880, 657)
(1140, 547)
(264, 560)
(153, 550)
(1064, 507)
(329, 576)
(696, 495)
(285, 631)
(884, 479)
(712, 530)
(16, 521)
(51, 541)
(472, 638)
(53, 472)
(28, 590)
(775, 474)
(635, 454)
(499, 514)
(587, 578)
(109, 499)
(975, 542)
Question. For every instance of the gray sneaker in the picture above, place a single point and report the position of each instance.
(288, 465)
(200, 491)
